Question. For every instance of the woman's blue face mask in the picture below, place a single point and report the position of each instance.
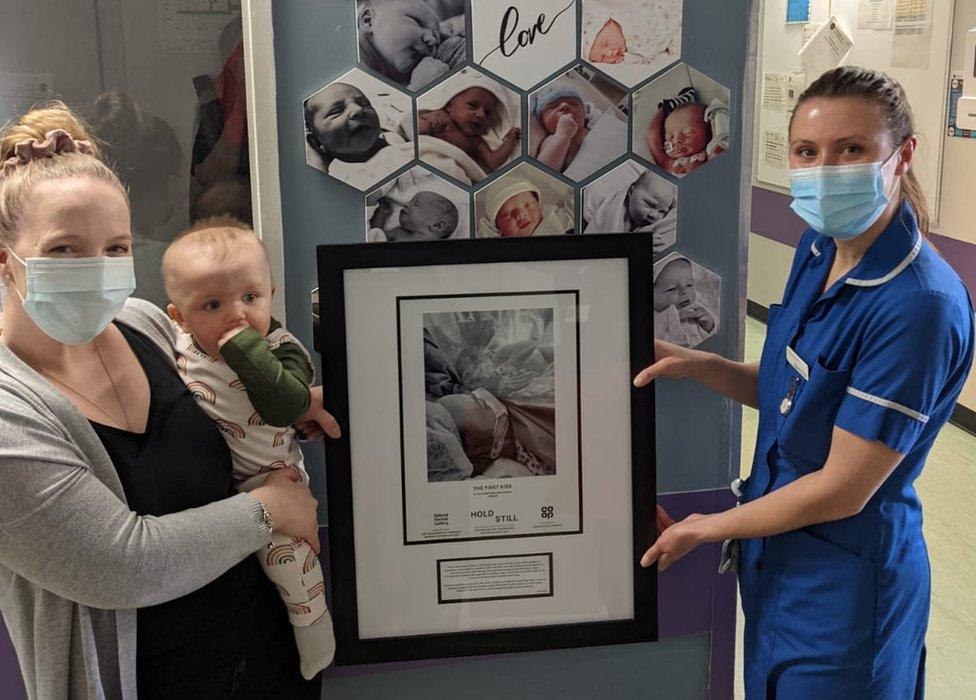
(840, 201)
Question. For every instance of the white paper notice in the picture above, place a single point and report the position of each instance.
(494, 578)
(774, 91)
(874, 14)
(774, 149)
(912, 39)
(193, 25)
(827, 48)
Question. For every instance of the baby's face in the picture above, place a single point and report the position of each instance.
(650, 200)
(609, 45)
(423, 215)
(519, 216)
(675, 286)
(564, 105)
(686, 132)
(343, 120)
(473, 110)
(404, 31)
(215, 294)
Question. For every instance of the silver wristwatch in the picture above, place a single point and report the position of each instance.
(267, 520)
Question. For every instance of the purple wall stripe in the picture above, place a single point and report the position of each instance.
(772, 218)
(11, 685)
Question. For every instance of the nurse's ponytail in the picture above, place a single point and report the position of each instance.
(886, 92)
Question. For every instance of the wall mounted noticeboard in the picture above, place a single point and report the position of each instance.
(491, 427)
(909, 39)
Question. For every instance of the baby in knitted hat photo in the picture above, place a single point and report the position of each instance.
(576, 124)
(524, 203)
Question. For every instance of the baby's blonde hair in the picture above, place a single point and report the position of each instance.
(18, 185)
(219, 236)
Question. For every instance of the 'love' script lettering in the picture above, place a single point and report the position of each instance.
(511, 38)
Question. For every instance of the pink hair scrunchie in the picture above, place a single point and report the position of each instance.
(56, 141)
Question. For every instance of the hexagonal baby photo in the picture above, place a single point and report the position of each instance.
(687, 301)
(631, 40)
(417, 206)
(356, 129)
(681, 120)
(411, 42)
(523, 41)
(524, 202)
(469, 126)
(577, 123)
(632, 198)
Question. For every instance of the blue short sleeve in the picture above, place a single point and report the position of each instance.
(907, 369)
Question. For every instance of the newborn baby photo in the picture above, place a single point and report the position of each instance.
(630, 40)
(411, 42)
(577, 124)
(686, 301)
(469, 126)
(524, 202)
(681, 120)
(417, 206)
(355, 129)
(632, 199)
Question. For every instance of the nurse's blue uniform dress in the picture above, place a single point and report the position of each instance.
(839, 610)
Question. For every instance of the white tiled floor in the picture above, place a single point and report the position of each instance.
(948, 491)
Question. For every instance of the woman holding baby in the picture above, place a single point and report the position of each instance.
(862, 366)
(119, 578)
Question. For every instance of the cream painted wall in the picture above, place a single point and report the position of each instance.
(769, 266)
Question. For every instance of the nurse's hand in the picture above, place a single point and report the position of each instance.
(318, 416)
(675, 541)
(671, 361)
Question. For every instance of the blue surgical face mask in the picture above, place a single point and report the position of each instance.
(74, 299)
(840, 201)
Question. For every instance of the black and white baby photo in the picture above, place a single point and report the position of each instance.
(687, 300)
(411, 42)
(489, 380)
(577, 123)
(358, 129)
(524, 202)
(417, 206)
(632, 198)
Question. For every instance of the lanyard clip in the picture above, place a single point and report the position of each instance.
(786, 405)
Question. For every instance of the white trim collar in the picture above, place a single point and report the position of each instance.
(899, 268)
(797, 362)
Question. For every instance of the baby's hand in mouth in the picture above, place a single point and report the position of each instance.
(566, 126)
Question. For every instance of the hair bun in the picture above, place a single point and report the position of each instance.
(36, 123)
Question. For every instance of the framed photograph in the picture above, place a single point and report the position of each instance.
(494, 487)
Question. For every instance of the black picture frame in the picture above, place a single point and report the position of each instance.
(333, 261)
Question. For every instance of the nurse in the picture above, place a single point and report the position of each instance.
(862, 366)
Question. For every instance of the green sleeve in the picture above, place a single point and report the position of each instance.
(276, 380)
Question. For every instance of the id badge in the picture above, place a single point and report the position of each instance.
(730, 557)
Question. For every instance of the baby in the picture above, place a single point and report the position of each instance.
(560, 110)
(678, 318)
(252, 378)
(407, 41)
(427, 216)
(680, 135)
(463, 122)
(648, 205)
(631, 32)
(515, 209)
(340, 122)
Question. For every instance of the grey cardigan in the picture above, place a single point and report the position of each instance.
(75, 562)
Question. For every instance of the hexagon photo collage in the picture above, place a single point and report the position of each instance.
(480, 118)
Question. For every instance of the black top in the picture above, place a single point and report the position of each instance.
(181, 461)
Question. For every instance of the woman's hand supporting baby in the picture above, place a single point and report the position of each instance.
(291, 505)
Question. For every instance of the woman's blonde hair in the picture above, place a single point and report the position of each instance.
(17, 186)
(886, 92)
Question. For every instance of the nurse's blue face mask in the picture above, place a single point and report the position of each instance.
(840, 201)
(73, 299)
